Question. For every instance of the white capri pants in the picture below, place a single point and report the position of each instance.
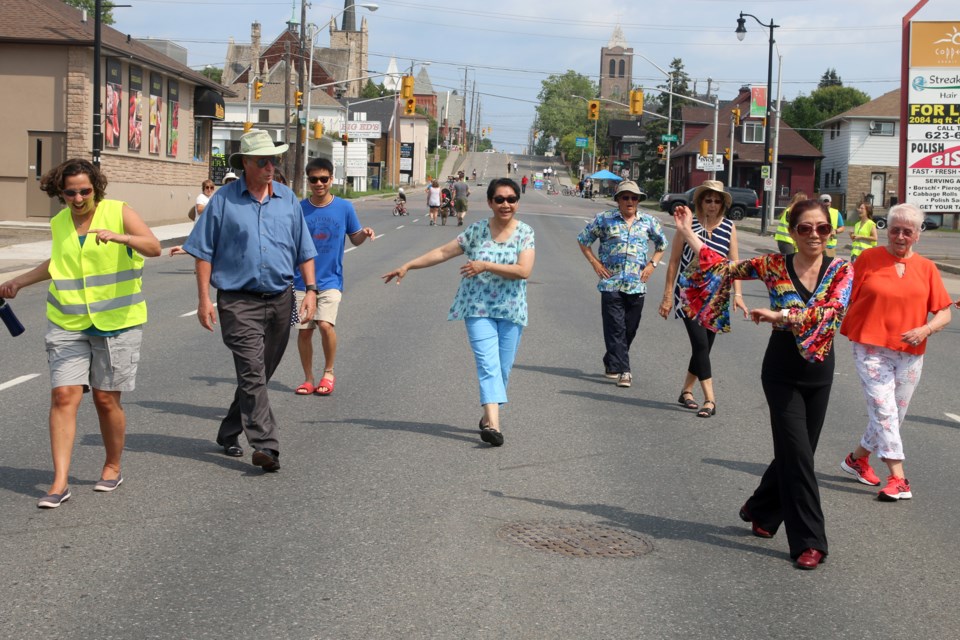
(889, 379)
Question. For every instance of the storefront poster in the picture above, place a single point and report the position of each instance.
(114, 98)
(156, 113)
(173, 118)
(135, 112)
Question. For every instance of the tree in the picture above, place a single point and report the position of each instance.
(106, 15)
(830, 79)
(562, 116)
(651, 169)
(371, 90)
(214, 73)
(805, 113)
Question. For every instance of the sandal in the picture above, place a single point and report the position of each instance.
(305, 389)
(704, 412)
(688, 402)
(326, 384)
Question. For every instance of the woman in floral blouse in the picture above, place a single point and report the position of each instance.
(492, 298)
(808, 297)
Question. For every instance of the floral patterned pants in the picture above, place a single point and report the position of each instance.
(889, 379)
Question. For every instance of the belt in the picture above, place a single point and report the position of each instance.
(258, 294)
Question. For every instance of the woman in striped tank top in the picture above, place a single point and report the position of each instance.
(710, 202)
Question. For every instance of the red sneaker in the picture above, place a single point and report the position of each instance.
(896, 489)
(860, 468)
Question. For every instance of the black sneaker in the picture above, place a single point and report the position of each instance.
(491, 436)
(267, 459)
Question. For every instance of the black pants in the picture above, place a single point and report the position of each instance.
(701, 342)
(788, 491)
(621, 316)
(256, 330)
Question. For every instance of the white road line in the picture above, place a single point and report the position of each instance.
(379, 236)
(953, 416)
(401, 226)
(192, 313)
(416, 219)
(349, 249)
(21, 380)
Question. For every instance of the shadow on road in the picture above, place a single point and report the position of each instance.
(656, 526)
(201, 449)
(566, 372)
(834, 482)
(424, 428)
(635, 402)
(33, 482)
(183, 409)
(213, 381)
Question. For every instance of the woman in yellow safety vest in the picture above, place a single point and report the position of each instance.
(95, 310)
(785, 243)
(864, 233)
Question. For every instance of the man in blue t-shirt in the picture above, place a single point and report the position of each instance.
(330, 221)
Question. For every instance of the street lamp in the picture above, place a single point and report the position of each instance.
(741, 32)
(669, 75)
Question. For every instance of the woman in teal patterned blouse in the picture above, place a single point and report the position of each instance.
(492, 298)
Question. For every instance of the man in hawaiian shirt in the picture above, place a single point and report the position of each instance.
(625, 264)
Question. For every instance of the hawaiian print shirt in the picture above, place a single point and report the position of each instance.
(486, 295)
(624, 249)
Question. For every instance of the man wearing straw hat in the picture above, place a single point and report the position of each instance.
(248, 244)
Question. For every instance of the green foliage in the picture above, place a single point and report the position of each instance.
(560, 115)
(106, 17)
(830, 79)
(806, 112)
(650, 168)
(214, 73)
(372, 90)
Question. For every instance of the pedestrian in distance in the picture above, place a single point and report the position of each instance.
(433, 200)
(248, 245)
(461, 191)
(864, 232)
(836, 221)
(895, 291)
(808, 297)
(206, 190)
(631, 245)
(95, 314)
(330, 220)
(784, 241)
(509, 166)
(514, 167)
(718, 232)
(524, 181)
(492, 297)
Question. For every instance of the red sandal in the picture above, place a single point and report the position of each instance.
(326, 385)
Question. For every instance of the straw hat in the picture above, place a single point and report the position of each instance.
(627, 186)
(256, 142)
(713, 185)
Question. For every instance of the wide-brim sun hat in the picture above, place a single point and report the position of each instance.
(716, 186)
(256, 142)
(627, 186)
(229, 176)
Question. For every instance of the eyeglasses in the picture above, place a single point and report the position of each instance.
(72, 193)
(274, 160)
(629, 198)
(900, 231)
(507, 199)
(208, 188)
(320, 179)
(822, 229)
(712, 201)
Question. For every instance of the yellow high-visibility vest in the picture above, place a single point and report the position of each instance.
(864, 228)
(783, 229)
(96, 284)
(836, 222)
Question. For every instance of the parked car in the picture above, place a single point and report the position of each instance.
(745, 202)
(929, 222)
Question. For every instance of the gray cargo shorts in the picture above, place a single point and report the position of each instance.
(107, 364)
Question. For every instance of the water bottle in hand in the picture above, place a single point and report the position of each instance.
(10, 319)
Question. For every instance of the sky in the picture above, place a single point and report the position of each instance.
(510, 46)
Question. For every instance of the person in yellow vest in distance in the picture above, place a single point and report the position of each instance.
(785, 243)
(836, 221)
(864, 232)
(95, 312)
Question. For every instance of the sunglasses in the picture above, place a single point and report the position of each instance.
(900, 231)
(630, 198)
(507, 199)
(712, 200)
(320, 179)
(822, 229)
(72, 193)
(274, 160)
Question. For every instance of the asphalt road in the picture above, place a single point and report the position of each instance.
(387, 519)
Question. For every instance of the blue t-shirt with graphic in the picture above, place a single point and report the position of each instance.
(329, 227)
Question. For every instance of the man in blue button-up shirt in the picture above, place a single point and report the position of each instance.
(248, 243)
(626, 263)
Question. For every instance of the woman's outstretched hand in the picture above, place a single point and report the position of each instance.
(472, 268)
(396, 273)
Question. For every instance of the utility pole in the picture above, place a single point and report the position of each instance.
(296, 180)
(97, 105)
(286, 108)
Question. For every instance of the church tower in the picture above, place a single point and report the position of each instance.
(616, 68)
(356, 43)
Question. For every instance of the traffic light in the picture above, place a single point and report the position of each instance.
(770, 155)
(660, 150)
(345, 139)
(726, 153)
(410, 106)
(247, 126)
(704, 147)
(257, 89)
(736, 117)
(406, 87)
(298, 96)
(317, 129)
(636, 102)
(593, 110)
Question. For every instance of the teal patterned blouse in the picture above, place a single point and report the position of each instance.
(486, 295)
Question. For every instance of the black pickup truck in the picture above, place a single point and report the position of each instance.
(745, 202)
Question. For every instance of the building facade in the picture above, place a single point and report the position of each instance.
(616, 68)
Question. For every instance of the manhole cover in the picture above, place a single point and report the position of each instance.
(576, 539)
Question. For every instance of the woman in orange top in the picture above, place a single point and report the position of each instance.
(894, 292)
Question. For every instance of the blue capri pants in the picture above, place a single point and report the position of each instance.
(494, 342)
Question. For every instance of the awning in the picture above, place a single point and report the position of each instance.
(207, 103)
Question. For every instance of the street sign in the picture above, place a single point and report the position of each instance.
(363, 128)
(582, 142)
(765, 172)
(768, 184)
(710, 162)
(672, 137)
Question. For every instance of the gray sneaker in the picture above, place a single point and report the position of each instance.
(54, 500)
(625, 379)
(108, 485)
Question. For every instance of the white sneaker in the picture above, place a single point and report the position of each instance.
(625, 379)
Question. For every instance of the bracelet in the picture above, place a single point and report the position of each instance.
(738, 295)
(930, 329)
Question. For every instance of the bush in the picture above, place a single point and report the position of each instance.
(654, 189)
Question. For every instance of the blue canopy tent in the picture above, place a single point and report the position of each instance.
(603, 174)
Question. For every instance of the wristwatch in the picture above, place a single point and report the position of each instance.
(310, 287)
(786, 314)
